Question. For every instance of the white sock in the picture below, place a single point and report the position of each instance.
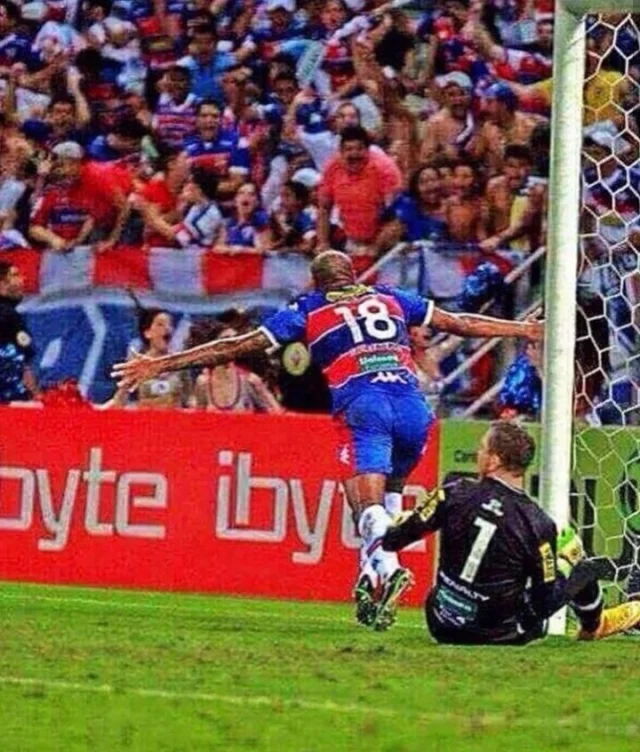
(372, 526)
(393, 503)
(366, 567)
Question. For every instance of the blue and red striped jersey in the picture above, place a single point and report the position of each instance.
(358, 336)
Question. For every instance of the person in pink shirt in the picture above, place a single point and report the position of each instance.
(359, 184)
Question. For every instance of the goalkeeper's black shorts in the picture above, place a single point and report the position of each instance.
(508, 633)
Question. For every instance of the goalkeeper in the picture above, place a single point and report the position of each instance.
(503, 569)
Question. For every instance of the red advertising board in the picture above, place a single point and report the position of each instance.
(182, 501)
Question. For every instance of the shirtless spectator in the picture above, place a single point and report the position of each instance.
(450, 130)
(514, 205)
(465, 207)
(505, 124)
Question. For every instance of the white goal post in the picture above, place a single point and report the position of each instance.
(563, 249)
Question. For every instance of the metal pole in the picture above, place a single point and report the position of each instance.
(561, 270)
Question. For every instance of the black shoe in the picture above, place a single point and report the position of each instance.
(400, 581)
(363, 594)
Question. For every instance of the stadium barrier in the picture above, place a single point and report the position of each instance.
(237, 504)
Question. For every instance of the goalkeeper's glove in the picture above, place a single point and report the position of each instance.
(570, 550)
(410, 526)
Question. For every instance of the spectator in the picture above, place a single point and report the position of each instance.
(505, 125)
(67, 119)
(294, 222)
(155, 328)
(450, 130)
(248, 228)
(201, 218)
(17, 382)
(206, 65)
(174, 120)
(526, 66)
(63, 217)
(359, 187)
(514, 205)
(161, 179)
(221, 152)
(418, 214)
(521, 392)
(122, 143)
(231, 388)
(465, 210)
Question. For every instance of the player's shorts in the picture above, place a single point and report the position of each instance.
(383, 433)
(508, 633)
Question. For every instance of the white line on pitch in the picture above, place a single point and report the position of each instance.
(477, 721)
(494, 719)
(185, 609)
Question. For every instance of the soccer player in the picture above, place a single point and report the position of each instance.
(358, 335)
(500, 556)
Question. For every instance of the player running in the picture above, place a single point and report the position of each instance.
(498, 579)
(358, 335)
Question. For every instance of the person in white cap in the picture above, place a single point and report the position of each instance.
(451, 129)
(63, 217)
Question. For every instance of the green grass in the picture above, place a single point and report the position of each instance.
(88, 669)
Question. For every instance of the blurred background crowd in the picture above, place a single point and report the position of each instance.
(414, 136)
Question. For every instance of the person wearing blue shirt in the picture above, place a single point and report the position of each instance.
(358, 335)
(248, 227)
(419, 213)
(219, 150)
(207, 65)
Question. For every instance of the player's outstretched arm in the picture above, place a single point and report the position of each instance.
(409, 527)
(130, 374)
(474, 325)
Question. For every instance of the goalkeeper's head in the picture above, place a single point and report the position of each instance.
(506, 451)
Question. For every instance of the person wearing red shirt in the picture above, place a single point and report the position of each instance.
(360, 187)
(66, 213)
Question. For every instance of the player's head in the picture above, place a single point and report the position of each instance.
(331, 270)
(506, 449)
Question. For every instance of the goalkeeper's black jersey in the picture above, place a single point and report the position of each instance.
(494, 543)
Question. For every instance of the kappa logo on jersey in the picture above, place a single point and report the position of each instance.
(344, 456)
(387, 377)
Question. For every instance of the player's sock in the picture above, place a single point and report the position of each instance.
(588, 606)
(393, 503)
(366, 567)
(372, 526)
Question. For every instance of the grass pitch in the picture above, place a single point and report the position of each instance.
(88, 669)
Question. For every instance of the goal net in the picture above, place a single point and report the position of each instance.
(605, 489)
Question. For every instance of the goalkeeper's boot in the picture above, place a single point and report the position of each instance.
(364, 596)
(613, 621)
(392, 590)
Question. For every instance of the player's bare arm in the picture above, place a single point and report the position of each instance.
(474, 325)
(140, 368)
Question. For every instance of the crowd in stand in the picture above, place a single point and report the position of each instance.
(275, 125)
